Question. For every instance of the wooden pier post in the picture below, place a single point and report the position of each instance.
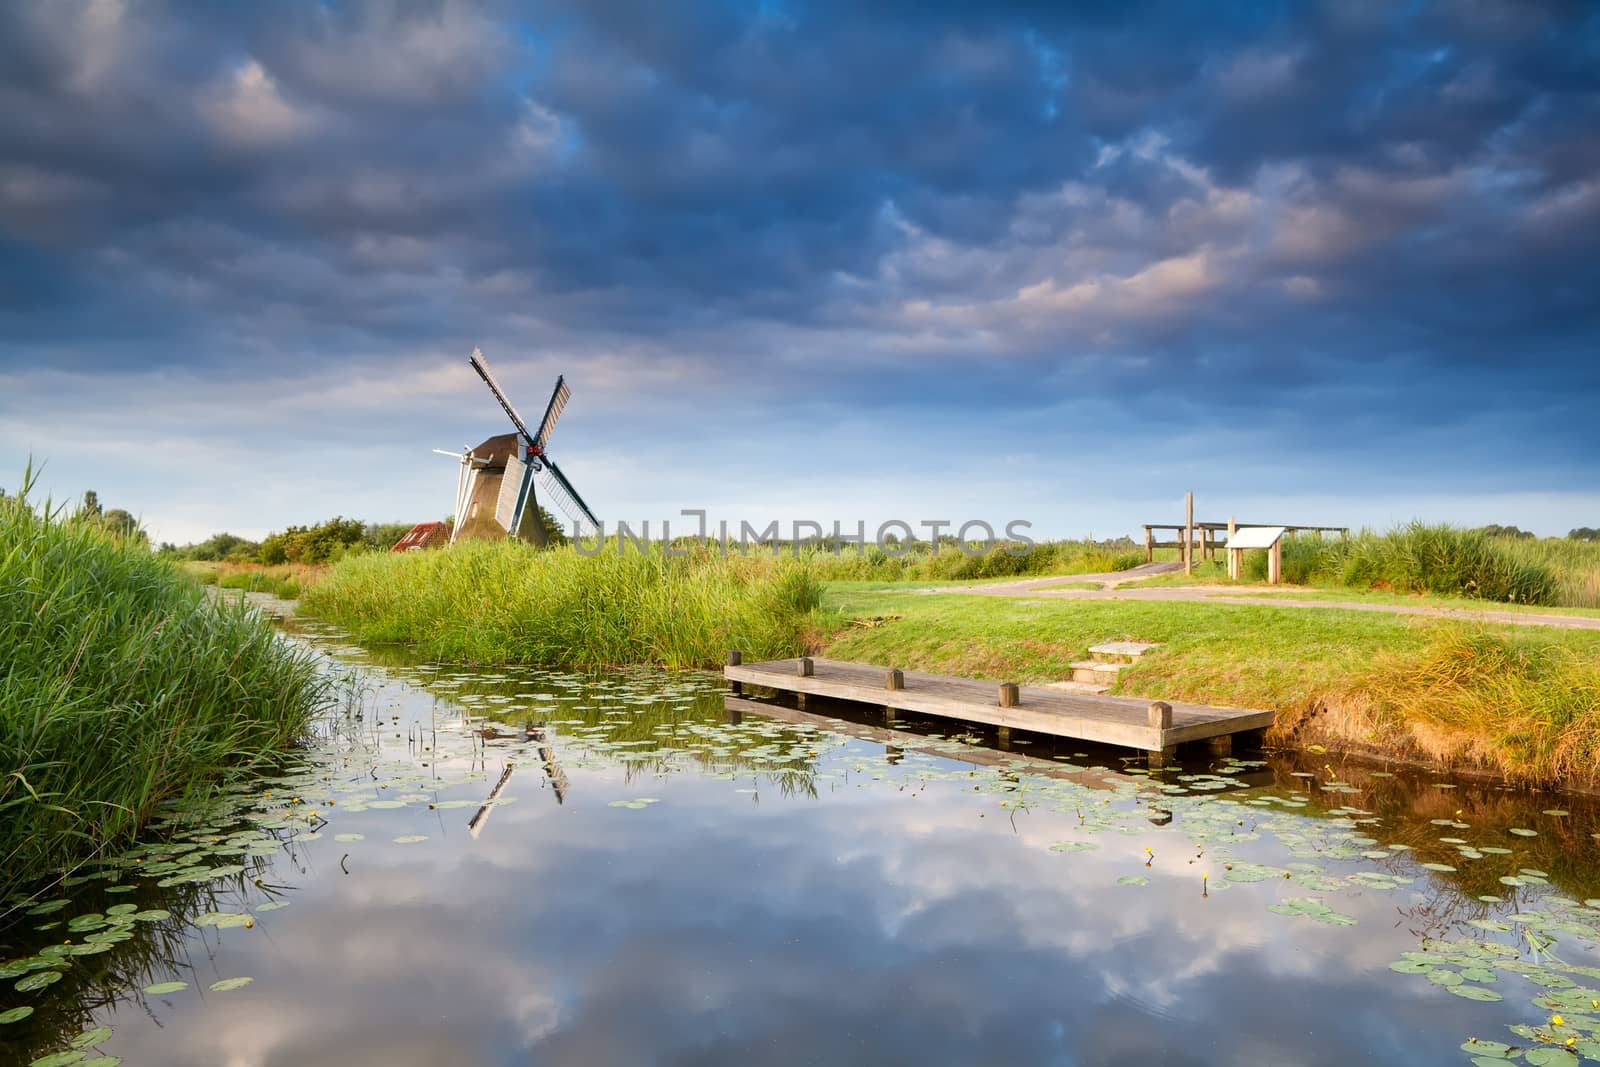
(1188, 533)
(1234, 554)
(1161, 715)
(735, 658)
(1002, 736)
(1149, 546)
(805, 668)
(1221, 745)
(893, 679)
(1009, 695)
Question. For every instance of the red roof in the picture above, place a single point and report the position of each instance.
(423, 535)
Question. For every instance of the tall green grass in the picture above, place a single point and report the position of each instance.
(506, 602)
(951, 563)
(1526, 707)
(1447, 561)
(121, 685)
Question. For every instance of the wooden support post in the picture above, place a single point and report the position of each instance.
(1003, 737)
(1235, 556)
(735, 658)
(1009, 695)
(1149, 546)
(1275, 563)
(1188, 533)
(1221, 745)
(894, 679)
(805, 668)
(1161, 718)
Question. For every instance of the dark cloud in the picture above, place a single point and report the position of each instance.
(1171, 207)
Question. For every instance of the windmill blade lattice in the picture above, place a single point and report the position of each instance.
(567, 499)
(558, 404)
(481, 365)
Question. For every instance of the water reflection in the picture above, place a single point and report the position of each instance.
(654, 883)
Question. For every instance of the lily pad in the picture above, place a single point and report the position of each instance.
(90, 1038)
(1133, 879)
(410, 839)
(37, 980)
(228, 984)
(1523, 831)
(161, 989)
(58, 1059)
(15, 1015)
(1551, 1057)
(1475, 992)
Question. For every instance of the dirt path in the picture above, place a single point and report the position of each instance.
(1115, 587)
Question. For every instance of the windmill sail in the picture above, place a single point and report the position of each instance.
(481, 365)
(567, 499)
(558, 404)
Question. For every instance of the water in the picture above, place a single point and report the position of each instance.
(655, 884)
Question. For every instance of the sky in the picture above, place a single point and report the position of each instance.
(1331, 263)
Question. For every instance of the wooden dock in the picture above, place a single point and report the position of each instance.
(1157, 727)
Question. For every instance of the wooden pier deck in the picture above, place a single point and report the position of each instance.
(1154, 726)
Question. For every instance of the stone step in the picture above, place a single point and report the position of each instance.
(1096, 671)
(1078, 687)
(1120, 651)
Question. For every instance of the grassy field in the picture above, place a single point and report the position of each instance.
(952, 564)
(505, 602)
(285, 580)
(121, 685)
(1519, 702)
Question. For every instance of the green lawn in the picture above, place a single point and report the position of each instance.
(1242, 655)
(1521, 700)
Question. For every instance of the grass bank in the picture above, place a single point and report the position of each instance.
(121, 685)
(1519, 703)
(506, 602)
(284, 580)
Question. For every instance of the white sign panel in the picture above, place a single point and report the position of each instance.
(1255, 537)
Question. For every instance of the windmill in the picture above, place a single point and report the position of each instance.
(494, 490)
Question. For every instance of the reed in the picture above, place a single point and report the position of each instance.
(121, 685)
(1526, 707)
(284, 580)
(949, 562)
(506, 602)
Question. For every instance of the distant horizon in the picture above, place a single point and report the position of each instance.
(1319, 263)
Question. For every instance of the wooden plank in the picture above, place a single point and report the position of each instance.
(1105, 719)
